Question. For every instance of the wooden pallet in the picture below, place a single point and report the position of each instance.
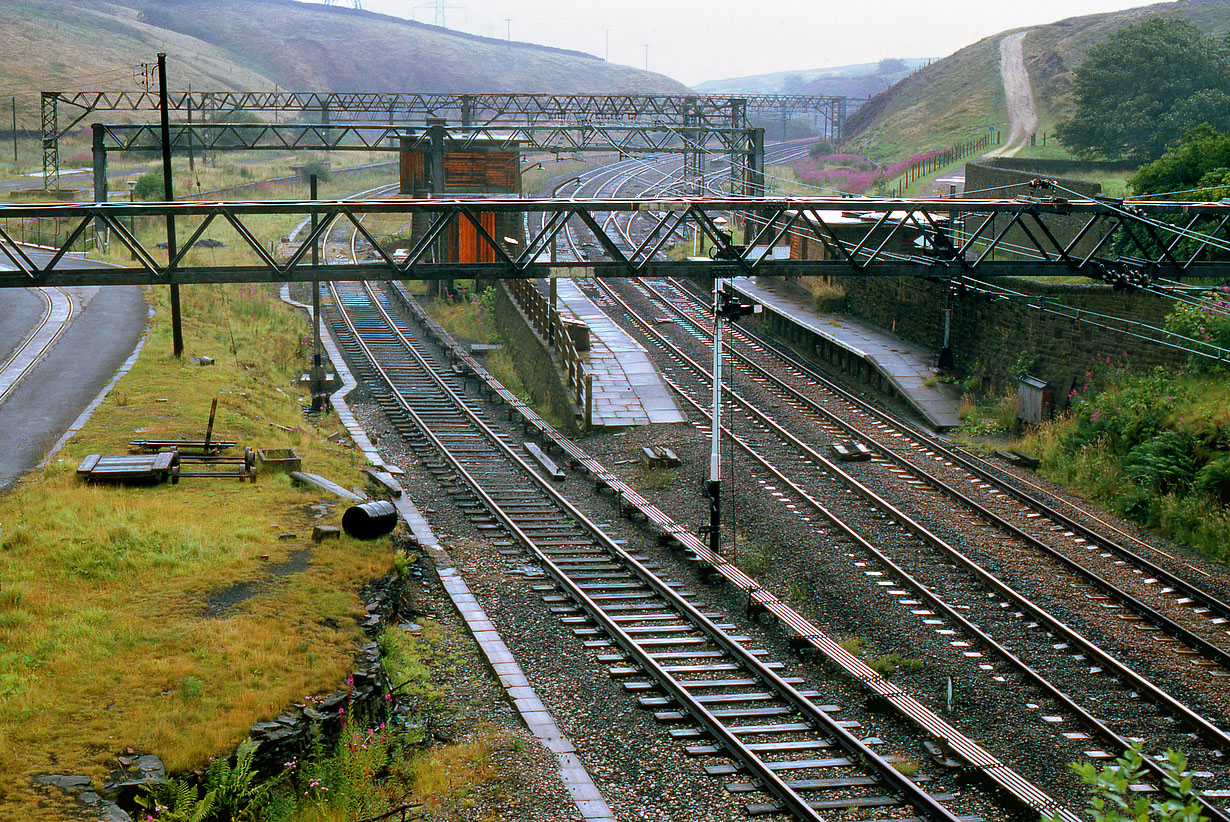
(149, 468)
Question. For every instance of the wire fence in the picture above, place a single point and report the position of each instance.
(48, 231)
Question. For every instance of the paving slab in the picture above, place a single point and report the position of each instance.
(627, 387)
(904, 365)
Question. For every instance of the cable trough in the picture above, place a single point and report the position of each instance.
(806, 758)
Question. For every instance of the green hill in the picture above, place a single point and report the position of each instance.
(257, 44)
(960, 96)
(857, 81)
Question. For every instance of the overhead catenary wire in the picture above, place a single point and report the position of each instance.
(1160, 336)
(1206, 239)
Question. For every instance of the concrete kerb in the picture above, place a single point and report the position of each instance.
(575, 778)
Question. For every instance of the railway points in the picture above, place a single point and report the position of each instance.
(666, 640)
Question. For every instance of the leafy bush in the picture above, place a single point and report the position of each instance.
(1114, 800)
(149, 186)
(318, 168)
(820, 148)
(1154, 447)
(1207, 323)
(1127, 413)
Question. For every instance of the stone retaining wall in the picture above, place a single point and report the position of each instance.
(534, 361)
(994, 340)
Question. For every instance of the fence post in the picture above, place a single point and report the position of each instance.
(589, 401)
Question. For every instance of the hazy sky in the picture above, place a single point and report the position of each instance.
(694, 41)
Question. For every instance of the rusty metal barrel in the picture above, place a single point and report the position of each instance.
(370, 520)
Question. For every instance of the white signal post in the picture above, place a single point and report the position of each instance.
(713, 490)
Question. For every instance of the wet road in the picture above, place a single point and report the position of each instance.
(106, 326)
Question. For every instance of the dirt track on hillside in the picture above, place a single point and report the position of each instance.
(1018, 96)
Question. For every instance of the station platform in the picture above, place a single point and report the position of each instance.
(872, 355)
(627, 388)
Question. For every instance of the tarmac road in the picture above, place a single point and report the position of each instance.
(107, 324)
(20, 309)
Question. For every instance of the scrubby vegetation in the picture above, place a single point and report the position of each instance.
(1153, 446)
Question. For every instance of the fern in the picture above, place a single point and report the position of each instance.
(232, 794)
(177, 800)
(235, 786)
(1214, 479)
(1164, 463)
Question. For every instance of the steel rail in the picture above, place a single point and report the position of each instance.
(1122, 670)
(885, 771)
(999, 774)
(984, 471)
(10, 375)
(1152, 614)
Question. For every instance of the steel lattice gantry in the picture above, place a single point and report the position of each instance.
(950, 239)
(468, 110)
(744, 147)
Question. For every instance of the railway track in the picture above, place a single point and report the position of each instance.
(1027, 644)
(58, 309)
(640, 622)
(781, 737)
(899, 582)
(913, 457)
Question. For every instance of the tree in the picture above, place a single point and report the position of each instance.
(890, 65)
(1197, 168)
(1138, 92)
(1201, 158)
(794, 84)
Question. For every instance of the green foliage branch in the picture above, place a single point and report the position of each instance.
(1114, 800)
(1196, 168)
(1139, 91)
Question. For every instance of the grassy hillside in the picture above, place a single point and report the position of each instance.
(862, 80)
(939, 105)
(956, 98)
(255, 44)
(1051, 52)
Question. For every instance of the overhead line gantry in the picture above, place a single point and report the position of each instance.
(467, 110)
(961, 239)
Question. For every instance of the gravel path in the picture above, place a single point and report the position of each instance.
(1018, 96)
